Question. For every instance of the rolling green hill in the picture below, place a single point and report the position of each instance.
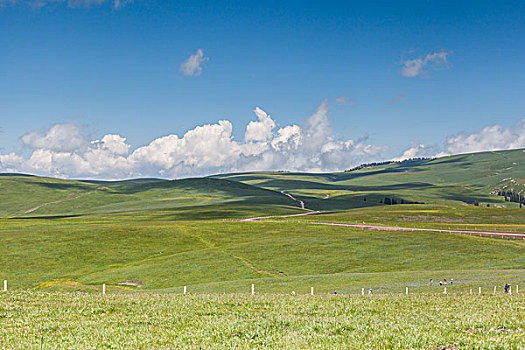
(461, 179)
(464, 179)
(159, 235)
(31, 196)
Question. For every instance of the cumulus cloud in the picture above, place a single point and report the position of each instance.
(60, 137)
(193, 65)
(490, 138)
(260, 130)
(419, 66)
(413, 152)
(65, 150)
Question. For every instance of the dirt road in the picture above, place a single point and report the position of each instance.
(395, 228)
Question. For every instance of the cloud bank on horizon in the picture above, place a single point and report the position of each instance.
(65, 150)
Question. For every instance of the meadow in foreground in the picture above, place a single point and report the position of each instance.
(169, 321)
(158, 253)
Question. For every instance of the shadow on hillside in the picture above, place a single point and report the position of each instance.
(450, 161)
(298, 184)
(16, 175)
(60, 186)
(200, 185)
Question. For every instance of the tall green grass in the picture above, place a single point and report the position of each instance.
(424, 321)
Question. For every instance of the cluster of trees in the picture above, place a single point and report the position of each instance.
(406, 161)
(366, 165)
(415, 159)
(392, 201)
(512, 196)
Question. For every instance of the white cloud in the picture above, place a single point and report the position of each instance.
(10, 163)
(259, 130)
(193, 65)
(412, 152)
(344, 100)
(415, 67)
(113, 143)
(60, 137)
(490, 138)
(116, 4)
(65, 150)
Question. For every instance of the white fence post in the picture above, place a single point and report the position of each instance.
(510, 290)
(445, 291)
(495, 289)
(362, 291)
(253, 289)
(406, 291)
(479, 290)
(517, 288)
(5, 285)
(104, 289)
(470, 290)
(184, 290)
(312, 291)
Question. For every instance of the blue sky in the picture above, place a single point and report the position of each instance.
(114, 68)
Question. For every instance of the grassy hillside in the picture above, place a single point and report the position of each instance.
(159, 250)
(426, 216)
(31, 196)
(461, 179)
(159, 235)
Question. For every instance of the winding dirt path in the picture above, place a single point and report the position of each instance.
(513, 235)
(295, 199)
(411, 229)
(280, 216)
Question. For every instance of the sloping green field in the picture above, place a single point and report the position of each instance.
(160, 235)
(461, 179)
(158, 250)
(31, 196)
(147, 239)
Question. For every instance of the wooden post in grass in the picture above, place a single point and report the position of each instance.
(312, 291)
(103, 289)
(184, 290)
(253, 289)
(479, 291)
(5, 285)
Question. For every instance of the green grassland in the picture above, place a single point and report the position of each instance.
(162, 252)
(160, 235)
(455, 180)
(425, 216)
(30, 196)
(146, 239)
(39, 320)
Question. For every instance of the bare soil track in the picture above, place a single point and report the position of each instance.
(396, 228)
